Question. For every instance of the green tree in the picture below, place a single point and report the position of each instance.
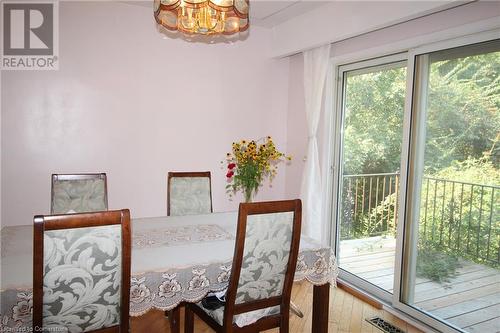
(462, 144)
(463, 118)
(373, 121)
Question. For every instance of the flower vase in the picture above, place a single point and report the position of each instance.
(248, 195)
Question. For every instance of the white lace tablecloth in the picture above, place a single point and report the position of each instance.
(174, 259)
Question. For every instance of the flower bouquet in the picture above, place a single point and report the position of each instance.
(250, 163)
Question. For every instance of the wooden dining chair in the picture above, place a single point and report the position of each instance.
(78, 193)
(265, 258)
(189, 193)
(81, 272)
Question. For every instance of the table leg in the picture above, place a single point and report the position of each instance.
(174, 318)
(321, 301)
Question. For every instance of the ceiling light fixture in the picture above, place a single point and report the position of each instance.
(205, 17)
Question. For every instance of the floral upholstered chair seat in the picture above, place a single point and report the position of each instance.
(243, 319)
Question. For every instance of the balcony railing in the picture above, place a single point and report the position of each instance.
(362, 194)
(457, 217)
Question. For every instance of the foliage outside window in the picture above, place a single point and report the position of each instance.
(460, 188)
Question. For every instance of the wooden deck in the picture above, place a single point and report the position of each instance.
(470, 300)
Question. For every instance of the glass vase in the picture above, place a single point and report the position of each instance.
(248, 192)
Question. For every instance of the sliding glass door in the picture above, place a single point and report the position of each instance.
(452, 257)
(372, 108)
(418, 181)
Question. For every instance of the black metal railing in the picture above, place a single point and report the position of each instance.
(362, 195)
(458, 217)
(461, 217)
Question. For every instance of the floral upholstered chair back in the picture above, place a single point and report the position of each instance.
(189, 193)
(79, 193)
(82, 278)
(266, 250)
(266, 253)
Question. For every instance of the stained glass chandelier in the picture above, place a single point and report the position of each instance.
(206, 17)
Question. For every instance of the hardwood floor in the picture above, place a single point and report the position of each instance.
(347, 314)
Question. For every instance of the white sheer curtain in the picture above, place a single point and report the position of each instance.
(315, 69)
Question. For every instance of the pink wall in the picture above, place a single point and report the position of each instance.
(296, 126)
(131, 103)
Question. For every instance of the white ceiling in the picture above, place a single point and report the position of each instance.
(270, 13)
(267, 13)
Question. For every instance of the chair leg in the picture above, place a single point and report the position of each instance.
(285, 323)
(174, 318)
(188, 320)
(295, 310)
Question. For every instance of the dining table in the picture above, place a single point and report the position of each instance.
(175, 259)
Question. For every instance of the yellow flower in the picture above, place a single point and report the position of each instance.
(259, 157)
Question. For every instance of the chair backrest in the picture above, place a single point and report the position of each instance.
(81, 272)
(265, 257)
(78, 193)
(189, 193)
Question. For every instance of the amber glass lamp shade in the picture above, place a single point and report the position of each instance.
(206, 17)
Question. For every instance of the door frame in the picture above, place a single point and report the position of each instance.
(380, 62)
(407, 50)
(408, 182)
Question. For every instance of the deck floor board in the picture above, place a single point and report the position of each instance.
(469, 300)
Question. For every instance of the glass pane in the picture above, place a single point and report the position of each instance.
(372, 135)
(454, 258)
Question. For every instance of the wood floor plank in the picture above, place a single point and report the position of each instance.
(476, 317)
(467, 306)
(368, 312)
(460, 297)
(347, 314)
(387, 272)
(345, 323)
(492, 326)
(336, 309)
(459, 279)
(439, 291)
(365, 256)
(374, 262)
(356, 316)
(357, 255)
(372, 267)
(383, 282)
